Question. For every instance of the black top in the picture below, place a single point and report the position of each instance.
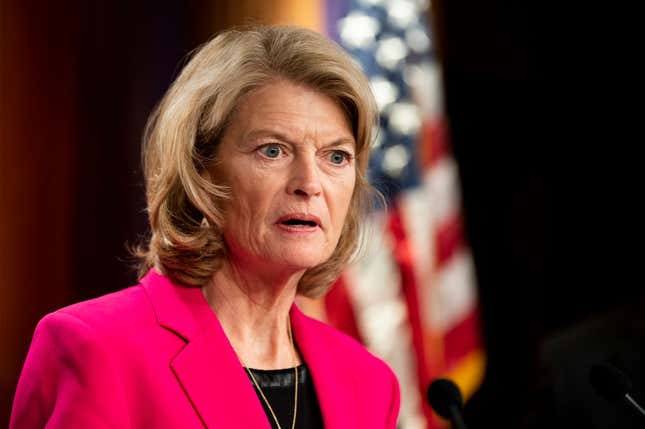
(278, 387)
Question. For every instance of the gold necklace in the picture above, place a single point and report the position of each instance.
(295, 396)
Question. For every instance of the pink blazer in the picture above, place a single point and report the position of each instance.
(155, 356)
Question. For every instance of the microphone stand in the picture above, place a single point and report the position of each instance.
(634, 405)
(456, 419)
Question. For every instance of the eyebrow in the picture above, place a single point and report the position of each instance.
(252, 135)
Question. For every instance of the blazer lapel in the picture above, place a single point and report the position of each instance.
(335, 384)
(207, 367)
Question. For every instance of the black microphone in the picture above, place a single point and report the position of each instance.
(445, 398)
(612, 384)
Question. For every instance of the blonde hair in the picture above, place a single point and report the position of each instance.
(184, 205)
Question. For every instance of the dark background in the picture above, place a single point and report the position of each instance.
(541, 102)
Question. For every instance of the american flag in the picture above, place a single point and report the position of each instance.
(412, 300)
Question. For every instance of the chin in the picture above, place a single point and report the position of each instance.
(303, 259)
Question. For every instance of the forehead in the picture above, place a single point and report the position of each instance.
(289, 108)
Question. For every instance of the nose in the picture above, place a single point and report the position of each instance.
(305, 178)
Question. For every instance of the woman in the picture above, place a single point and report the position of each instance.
(255, 162)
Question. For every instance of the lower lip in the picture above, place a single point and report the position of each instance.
(297, 229)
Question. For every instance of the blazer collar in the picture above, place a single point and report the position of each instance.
(213, 378)
(207, 367)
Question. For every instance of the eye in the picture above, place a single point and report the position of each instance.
(338, 157)
(271, 150)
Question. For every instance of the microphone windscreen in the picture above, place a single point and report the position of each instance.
(609, 382)
(442, 395)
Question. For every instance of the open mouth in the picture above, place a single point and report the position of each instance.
(299, 222)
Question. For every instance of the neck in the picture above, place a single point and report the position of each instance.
(254, 313)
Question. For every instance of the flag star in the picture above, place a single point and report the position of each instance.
(395, 159)
(358, 30)
(422, 5)
(371, 2)
(418, 40)
(402, 13)
(404, 118)
(391, 51)
(384, 90)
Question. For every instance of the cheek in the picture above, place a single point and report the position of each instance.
(244, 223)
(252, 203)
(251, 189)
(249, 209)
(243, 204)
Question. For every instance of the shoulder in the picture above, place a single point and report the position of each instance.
(105, 312)
(71, 349)
(109, 319)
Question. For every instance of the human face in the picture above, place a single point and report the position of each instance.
(288, 157)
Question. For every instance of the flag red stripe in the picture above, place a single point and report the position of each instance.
(403, 258)
(449, 238)
(434, 142)
(462, 339)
